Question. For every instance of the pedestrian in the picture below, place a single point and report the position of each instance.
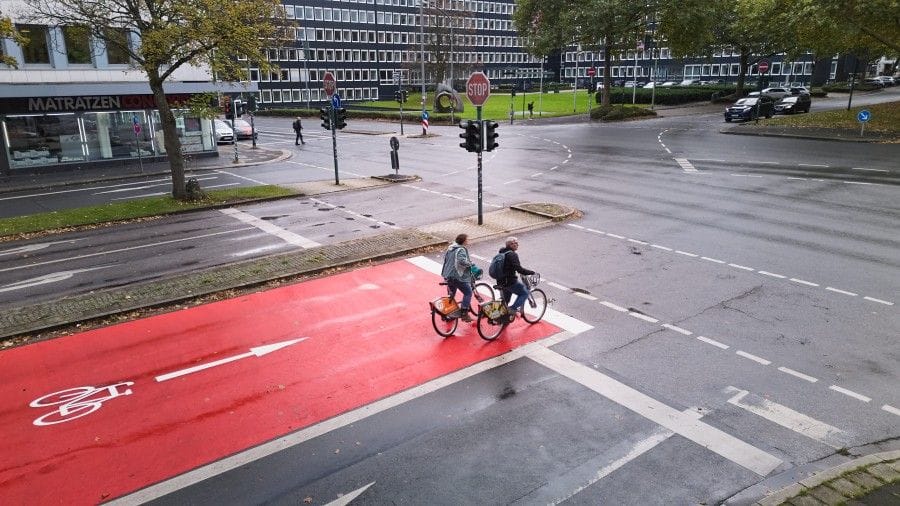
(298, 128)
(457, 271)
(509, 282)
(531, 109)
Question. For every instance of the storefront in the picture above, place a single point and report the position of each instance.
(50, 133)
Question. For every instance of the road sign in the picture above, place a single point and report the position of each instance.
(591, 71)
(763, 66)
(863, 116)
(136, 123)
(336, 101)
(478, 88)
(329, 84)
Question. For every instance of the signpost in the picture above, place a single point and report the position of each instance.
(863, 117)
(762, 67)
(329, 84)
(136, 125)
(478, 89)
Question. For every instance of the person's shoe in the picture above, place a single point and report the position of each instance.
(303, 142)
(466, 317)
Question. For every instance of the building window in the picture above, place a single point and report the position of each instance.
(35, 49)
(78, 44)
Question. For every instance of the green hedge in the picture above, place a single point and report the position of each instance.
(845, 87)
(619, 112)
(667, 96)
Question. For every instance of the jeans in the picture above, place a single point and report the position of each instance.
(521, 292)
(299, 137)
(465, 287)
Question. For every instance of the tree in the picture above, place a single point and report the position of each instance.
(173, 34)
(8, 31)
(448, 31)
(753, 28)
(614, 26)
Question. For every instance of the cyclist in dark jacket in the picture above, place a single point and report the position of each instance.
(509, 282)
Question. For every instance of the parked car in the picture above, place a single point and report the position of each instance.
(874, 81)
(649, 85)
(224, 133)
(668, 84)
(690, 82)
(799, 90)
(632, 84)
(793, 104)
(713, 82)
(242, 129)
(887, 80)
(776, 93)
(750, 108)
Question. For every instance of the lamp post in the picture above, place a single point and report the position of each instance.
(422, 49)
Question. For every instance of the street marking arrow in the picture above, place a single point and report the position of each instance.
(254, 352)
(55, 277)
(28, 248)
(344, 500)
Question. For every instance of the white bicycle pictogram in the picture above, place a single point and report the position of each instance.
(77, 402)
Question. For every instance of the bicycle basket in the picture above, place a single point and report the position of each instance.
(531, 280)
(444, 305)
(494, 309)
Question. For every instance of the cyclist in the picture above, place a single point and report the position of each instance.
(509, 282)
(457, 271)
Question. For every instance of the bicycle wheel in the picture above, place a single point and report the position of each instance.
(482, 293)
(489, 328)
(535, 306)
(442, 325)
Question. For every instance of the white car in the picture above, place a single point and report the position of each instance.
(224, 133)
(668, 83)
(776, 93)
(887, 80)
(689, 82)
(649, 85)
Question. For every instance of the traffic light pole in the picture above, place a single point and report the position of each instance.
(480, 191)
(234, 112)
(332, 116)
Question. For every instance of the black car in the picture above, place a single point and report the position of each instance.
(792, 104)
(750, 108)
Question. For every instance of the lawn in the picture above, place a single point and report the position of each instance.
(133, 209)
(885, 119)
(498, 104)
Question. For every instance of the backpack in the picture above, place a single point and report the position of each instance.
(497, 265)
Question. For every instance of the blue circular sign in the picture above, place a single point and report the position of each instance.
(863, 116)
(424, 114)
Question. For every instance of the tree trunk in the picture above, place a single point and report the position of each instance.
(742, 75)
(607, 78)
(170, 137)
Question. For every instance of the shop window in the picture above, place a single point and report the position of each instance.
(78, 44)
(43, 140)
(35, 50)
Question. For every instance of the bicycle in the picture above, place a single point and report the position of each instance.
(445, 311)
(494, 316)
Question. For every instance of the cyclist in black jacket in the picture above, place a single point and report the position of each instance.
(509, 282)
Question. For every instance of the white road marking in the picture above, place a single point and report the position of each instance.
(584, 295)
(669, 151)
(270, 228)
(146, 186)
(559, 286)
(576, 226)
(800, 375)
(245, 178)
(714, 260)
(837, 290)
(596, 231)
(811, 165)
(30, 195)
(687, 426)
(788, 418)
(850, 393)
(772, 274)
(120, 250)
(613, 306)
(657, 246)
(752, 357)
(616, 236)
(346, 499)
(141, 196)
(856, 182)
(685, 253)
(891, 409)
(872, 170)
(638, 242)
(713, 342)
(643, 317)
(28, 248)
(742, 267)
(554, 167)
(873, 299)
(677, 329)
(802, 282)
(768, 163)
(512, 181)
(54, 277)
(537, 174)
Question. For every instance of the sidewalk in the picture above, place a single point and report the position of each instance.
(132, 168)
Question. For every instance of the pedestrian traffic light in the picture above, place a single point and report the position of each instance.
(251, 104)
(471, 136)
(404, 95)
(325, 115)
(239, 108)
(340, 118)
(490, 134)
(398, 96)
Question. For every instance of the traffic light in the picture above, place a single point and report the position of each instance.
(340, 118)
(325, 115)
(239, 108)
(472, 136)
(251, 104)
(404, 95)
(398, 96)
(225, 104)
(490, 133)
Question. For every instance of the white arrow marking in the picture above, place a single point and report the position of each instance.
(28, 248)
(55, 277)
(254, 352)
(344, 500)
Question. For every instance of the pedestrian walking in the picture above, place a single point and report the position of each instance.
(298, 128)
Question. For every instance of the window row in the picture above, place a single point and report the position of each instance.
(390, 18)
(293, 95)
(312, 75)
(408, 37)
(74, 42)
(734, 69)
(591, 57)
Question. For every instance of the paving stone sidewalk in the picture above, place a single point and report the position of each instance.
(28, 320)
(873, 480)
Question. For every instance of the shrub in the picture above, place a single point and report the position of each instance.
(619, 112)
(845, 87)
(674, 95)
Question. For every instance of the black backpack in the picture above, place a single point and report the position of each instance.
(497, 264)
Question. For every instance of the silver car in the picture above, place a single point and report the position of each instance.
(776, 93)
(224, 133)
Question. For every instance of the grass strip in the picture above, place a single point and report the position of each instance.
(133, 209)
(885, 118)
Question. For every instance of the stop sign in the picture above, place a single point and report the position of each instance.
(478, 88)
(591, 71)
(763, 66)
(329, 83)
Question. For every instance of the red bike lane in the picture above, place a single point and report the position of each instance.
(93, 416)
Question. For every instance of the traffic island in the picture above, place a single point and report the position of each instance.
(518, 218)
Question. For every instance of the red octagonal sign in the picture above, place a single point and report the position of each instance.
(478, 88)
(329, 84)
(763, 66)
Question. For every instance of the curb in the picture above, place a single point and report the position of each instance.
(807, 137)
(840, 483)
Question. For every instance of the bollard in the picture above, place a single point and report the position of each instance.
(395, 158)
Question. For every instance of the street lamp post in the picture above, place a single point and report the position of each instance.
(422, 49)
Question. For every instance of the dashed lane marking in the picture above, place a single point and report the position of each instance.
(871, 170)
(677, 329)
(796, 374)
(357, 215)
(713, 342)
(850, 393)
(891, 409)
(270, 228)
(736, 266)
(750, 356)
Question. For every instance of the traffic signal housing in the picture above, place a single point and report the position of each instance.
(490, 135)
(340, 118)
(251, 104)
(471, 136)
(325, 116)
(398, 96)
(239, 108)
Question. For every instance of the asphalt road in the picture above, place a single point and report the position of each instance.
(745, 287)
